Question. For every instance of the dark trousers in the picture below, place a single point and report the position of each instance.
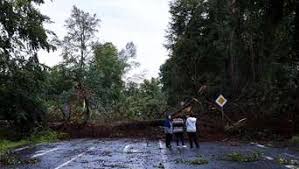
(179, 137)
(192, 138)
(168, 140)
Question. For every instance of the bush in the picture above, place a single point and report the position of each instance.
(198, 161)
(47, 136)
(294, 140)
(238, 157)
(7, 145)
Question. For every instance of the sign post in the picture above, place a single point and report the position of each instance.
(221, 101)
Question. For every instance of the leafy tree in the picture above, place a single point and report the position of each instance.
(22, 77)
(77, 51)
(106, 73)
(60, 92)
(105, 76)
(145, 101)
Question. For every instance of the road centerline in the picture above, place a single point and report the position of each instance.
(71, 160)
(20, 149)
(74, 158)
(44, 153)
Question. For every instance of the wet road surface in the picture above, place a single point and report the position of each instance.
(139, 154)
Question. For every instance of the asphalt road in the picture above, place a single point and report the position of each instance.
(139, 154)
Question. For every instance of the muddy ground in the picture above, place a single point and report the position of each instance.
(147, 154)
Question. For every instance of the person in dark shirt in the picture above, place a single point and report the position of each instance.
(178, 130)
(168, 131)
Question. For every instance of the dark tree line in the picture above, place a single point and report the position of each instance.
(246, 50)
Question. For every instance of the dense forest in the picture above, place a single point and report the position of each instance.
(246, 50)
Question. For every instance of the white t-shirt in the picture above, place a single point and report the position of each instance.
(191, 124)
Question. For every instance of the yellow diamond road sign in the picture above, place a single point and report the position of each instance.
(221, 101)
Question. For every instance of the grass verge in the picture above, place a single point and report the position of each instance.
(7, 157)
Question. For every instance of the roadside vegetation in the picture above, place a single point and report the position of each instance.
(241, 157)
(284, 161)
(7, 146)
(197, 161)
(294, 141)
(247, 51)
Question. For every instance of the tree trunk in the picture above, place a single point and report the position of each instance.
(296, 48)
(296, 44)
(252, 59)
(63, 114)
(235, 46)
(87, 111)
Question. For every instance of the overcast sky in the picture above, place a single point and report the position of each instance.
(142, 21)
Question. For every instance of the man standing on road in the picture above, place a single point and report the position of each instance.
(168, 130)
(178, 130)
(191, 130)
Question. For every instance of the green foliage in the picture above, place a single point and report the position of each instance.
(44, 136)
(11, 159)
(294, 140)
(81, 28)
(60, 92)
(47, 136)
(22, 77)
(7, 157)
(145, 101)
(6, 145)
(284, 161)
(198, 161)
(105, 76)
(240, 49)
(77, 47)
(88, 83)
(239, 157)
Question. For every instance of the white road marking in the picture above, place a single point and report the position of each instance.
(71, 160)
(20, 149)
(269, 158)
(91, 148)
(260, 145)
(163, 154)
(130, 149)
(290, 166)
(74, 158)
(290, 155)
(43, 153)
(127, 148)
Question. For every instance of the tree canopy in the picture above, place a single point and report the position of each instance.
(22, 77)
(245, 50)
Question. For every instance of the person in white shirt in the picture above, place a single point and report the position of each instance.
(191, 130)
